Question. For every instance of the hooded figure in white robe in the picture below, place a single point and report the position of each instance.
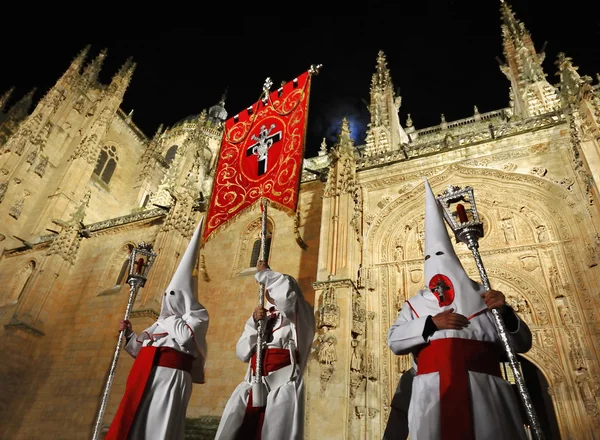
(289, 331)
(170, 356)
(458, 392)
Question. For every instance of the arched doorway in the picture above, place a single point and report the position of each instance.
(537, 385)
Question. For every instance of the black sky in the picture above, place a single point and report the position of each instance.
(441, 53)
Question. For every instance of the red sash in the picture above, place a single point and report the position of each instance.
(137, 381)
(273, 360)
(453, 358)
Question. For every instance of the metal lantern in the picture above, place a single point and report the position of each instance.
(141, 259)
(463, 220)
(468, 228)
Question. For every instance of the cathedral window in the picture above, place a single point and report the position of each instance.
(249, 247)
(107, 163)
(254, 256)
(171, 152)
(122, 277)
(116, 273)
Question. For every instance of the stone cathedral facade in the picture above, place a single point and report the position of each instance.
(81, 185)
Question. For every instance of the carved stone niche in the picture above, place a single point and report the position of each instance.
(359, 314)
(329, 312)
(326, 356)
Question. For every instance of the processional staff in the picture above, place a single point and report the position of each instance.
(469, 229)
(141, 259)
(259, 390)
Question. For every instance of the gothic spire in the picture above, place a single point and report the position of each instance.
(73, 71)
(513, 27)
(570, 80)
(121, 79)
(20, 110)
(531, 94)
(344, 144)
(381, 78)
(90, 74)
(4, 98)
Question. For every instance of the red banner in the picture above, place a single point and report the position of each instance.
(261, 155)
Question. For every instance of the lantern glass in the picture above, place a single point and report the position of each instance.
(460, 212)
(140, 260)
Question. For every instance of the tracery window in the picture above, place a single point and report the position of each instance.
(256, 248)
(171, 152)
(107, 163)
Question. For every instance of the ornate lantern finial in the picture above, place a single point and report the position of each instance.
(464, 220)
(140, 260)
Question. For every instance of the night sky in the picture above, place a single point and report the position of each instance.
(442, 57)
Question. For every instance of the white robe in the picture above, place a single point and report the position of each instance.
(161, 413)
(495, 409)
(284, 412)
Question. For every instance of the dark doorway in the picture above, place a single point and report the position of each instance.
(537, 385)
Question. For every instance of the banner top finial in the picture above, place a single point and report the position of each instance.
(315, 69)
(267, 85)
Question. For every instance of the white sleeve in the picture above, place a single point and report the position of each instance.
(245, 345)
(407, 332)
(134, 343)
(177, 329)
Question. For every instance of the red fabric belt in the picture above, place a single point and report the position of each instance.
(273, 360)
(171, 358)
(137, 380)
(453, 358)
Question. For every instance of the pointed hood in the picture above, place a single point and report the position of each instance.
(180, 296)
(444, 274)
(180, 299)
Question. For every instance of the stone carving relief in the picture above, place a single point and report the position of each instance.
(416, 276)
(562, 306)
(359, 314)
(538, 171)
(521, 306)
(592, 250)
(589, 393)
(370, 217)
(79, 105)
(326, 355)
(385, 201)
(357, 215)
(509, 167)
(508, 228)
(326, 352)
(17, 207)
(3, 188)
(415, 236)
(329, 312)
(356, 364)
(530, 262)
(40, 169)
(20, 146)
(32, 156)
(398, 250)
(328, 316)
(67, 242)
